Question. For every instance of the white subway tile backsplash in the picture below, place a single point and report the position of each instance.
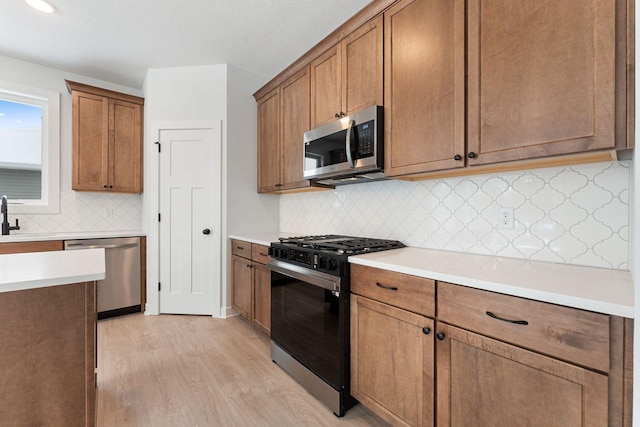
(80, 211)
(572, 215)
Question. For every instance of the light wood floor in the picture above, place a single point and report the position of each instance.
(198, 371)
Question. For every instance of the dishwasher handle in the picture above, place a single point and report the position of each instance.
(74, 246)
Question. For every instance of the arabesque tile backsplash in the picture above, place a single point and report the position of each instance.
(80, 211)
(572, 215)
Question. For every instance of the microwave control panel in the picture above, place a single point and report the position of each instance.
(365, 139)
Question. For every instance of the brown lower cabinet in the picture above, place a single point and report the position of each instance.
(486, 382)
(48, 356)
(251, 283)
(392, 362)
(261, 316)
(392, 345)
(490, 360)
(242, 286)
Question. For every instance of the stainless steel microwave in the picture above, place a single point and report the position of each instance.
(346, 151)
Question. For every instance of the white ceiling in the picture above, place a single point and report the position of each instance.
(118, 40)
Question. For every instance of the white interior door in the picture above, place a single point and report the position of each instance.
(190, 197)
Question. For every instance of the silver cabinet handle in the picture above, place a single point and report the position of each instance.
(81, 246)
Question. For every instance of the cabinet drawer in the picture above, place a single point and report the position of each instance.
(241, 248)
(401, 290)
(23, 247)
(577, 336)
(260, 253)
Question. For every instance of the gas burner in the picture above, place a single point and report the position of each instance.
(341, 244)
(306, 240)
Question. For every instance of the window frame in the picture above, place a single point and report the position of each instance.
(50, 103)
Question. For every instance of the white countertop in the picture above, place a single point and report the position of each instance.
(595, 289)
(16, 236)
(41, 269)
(264, 239)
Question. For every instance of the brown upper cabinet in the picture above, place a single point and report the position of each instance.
(294, 107)
(107, 140)
(542, 78)
(348, 76)
(424, 86)
(494, 84)
(269, 165)
(283, 117)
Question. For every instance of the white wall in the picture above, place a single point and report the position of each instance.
(634, 255)
(177, 96)
(79, 211)
(635, 251)
(247, 211)
(193, 95)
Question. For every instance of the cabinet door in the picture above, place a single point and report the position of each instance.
(125, 147)
(362, 66)
(424, 86)
(541, 78)
(241, 284)
(269, 165)
(262, 298)
(90, 142)
(326, 87)
(485, 382)
(392, 370)
(295, 109)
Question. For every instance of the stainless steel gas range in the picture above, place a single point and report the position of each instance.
(310, 311)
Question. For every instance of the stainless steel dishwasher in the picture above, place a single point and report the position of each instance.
(119, 292)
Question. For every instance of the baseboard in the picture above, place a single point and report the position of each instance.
(227, 312)
(148, 311)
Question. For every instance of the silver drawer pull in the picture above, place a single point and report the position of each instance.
(517, 322)
(391, 288)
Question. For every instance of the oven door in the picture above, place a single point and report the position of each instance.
(308, 319)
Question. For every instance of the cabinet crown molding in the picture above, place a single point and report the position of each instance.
(81, 87)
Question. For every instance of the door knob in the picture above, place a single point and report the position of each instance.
(206, 231)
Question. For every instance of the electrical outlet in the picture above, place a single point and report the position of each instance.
(108, 213)
(505, 218)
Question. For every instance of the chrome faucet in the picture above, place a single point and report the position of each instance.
(6, 227)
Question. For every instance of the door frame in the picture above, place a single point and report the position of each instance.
(151, 208)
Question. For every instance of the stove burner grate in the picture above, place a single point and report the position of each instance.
(342, 244)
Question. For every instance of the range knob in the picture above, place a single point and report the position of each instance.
(275, 252)
(333, 264)
(322, 262)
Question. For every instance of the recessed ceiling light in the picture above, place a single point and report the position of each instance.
(41, 5)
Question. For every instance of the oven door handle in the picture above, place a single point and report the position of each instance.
(315, 278)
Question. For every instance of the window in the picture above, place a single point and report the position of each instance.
(29, 148)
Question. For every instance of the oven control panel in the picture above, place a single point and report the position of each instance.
(326, 263)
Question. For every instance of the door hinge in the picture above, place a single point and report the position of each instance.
(159, 287)
(158, 144)
(158, 217)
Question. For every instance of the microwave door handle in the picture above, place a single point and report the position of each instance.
(349, 158)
